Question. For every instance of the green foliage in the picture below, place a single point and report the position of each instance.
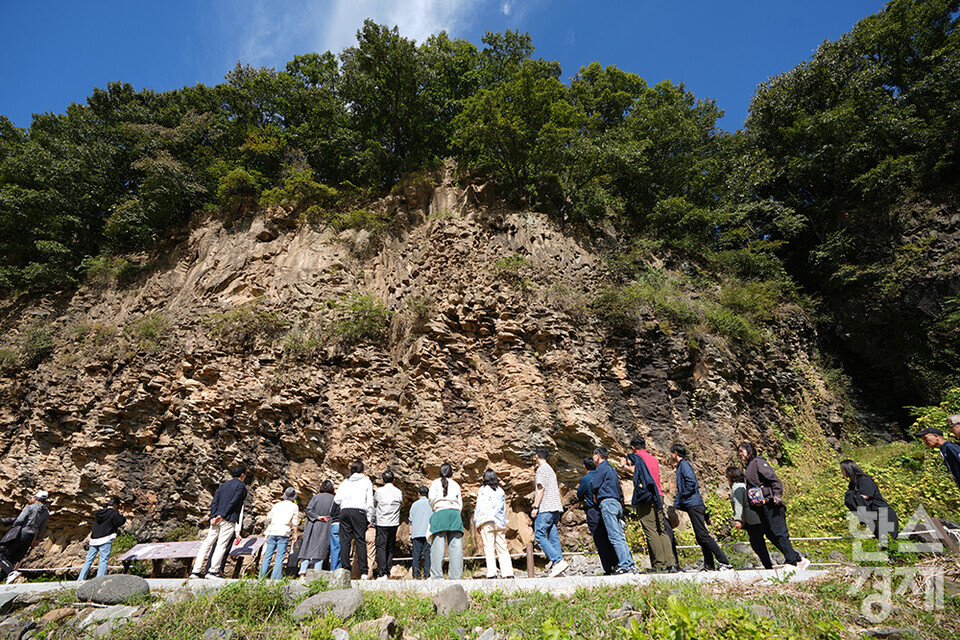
(182, 532)
(123, 543)
(247, 325)
(300, 191)
(362, 318)
(147, 332)
(511, 268)
(107, 270)
(239, 188)
(36, 345)
(358, 219)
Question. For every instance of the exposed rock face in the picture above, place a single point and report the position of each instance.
(480, 367)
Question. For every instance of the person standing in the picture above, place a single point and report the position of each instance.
(608, 556)
(765, 496)
(420, 512)
(953, 424)
(355, 497)
(490, 517)
(547, 511)
(317, 529)
(446, 524)
(388, 500)
(864, 499)
(280, 532)
(106, 524)
(648, 506)
(950, 452)
(744, 517)
(605, 485)
(639, 446)
(688, 499)
(225, 510)
(25, 533)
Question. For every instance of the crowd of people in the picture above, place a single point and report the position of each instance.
(356, 523)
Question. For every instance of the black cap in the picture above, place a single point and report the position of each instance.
(928, 430)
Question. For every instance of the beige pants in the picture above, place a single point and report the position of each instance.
(494, 541)
(221, 534)
(371, 539)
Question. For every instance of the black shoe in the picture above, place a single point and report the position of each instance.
(671, 569)
(619, 571)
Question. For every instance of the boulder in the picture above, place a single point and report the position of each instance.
(339, 579)
(317, 574)
(453, 599)
(115, 589)
(385, 628)
(340, 634)
(7, 602)
(294, 592)
(219, 633)
(105, 629)
(342, 603)
(15, 628)
(116, 612)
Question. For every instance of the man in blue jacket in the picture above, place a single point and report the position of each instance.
(606, 492)
(225, 522)
(689, 499)
(934, 439)
(608, 555)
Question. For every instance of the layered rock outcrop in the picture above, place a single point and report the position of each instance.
(230, 350)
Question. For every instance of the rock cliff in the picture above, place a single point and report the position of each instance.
(231, 348)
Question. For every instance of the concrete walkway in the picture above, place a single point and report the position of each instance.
(562, 584)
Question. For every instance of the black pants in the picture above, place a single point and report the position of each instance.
(386, 539)
(353, 528)
(673, 541)
(758, 544)
(608, 556)
(773, 520)
(421, 558)
(709, 546)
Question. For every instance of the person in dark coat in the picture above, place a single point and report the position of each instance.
(608, 555)
(689, 499)
(863, 498)
(744, 517)
(648, 507)
(315, 547)
(26, 532)
(225, 510)
(106, 524)
(767, 502)
(950, 452)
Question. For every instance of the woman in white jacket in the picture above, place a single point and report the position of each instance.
(490, 517)
(281, 533)
(446, 524)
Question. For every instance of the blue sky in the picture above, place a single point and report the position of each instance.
(55, 52)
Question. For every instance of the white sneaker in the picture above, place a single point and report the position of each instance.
(13, 575)
(558, 568)
(803, 565)
(364, 577)
(383, 578)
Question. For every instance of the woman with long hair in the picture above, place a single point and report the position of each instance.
(446, 524)
(316, 532)
(490, 517)
(744, 518)
(864, 499)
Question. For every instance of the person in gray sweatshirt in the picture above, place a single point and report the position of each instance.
(388, 500)
(355, 498)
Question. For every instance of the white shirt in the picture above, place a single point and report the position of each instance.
(389, 499)
(491, 506)
(282, 519)
(453, 499)
(356, 492)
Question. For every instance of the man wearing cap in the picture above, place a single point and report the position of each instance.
(225, 512)
(953, 425)
(32, 523)
(934, 439)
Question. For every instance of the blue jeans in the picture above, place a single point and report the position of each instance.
(278, 544)
(334, 546)
(612, 512)
(104, 551)
(545, 532)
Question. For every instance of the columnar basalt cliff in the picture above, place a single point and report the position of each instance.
(152, 393)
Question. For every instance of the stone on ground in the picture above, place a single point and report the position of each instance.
(342, 603)
(294, 592)
(115, 589)
(56, 615)
(115, 612)
(219, 633)
(7, 602)
(453, 599)
(14, 628)
(340, 579)
(385, 628)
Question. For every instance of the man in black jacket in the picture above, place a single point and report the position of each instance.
(224, 522)
(106, 524)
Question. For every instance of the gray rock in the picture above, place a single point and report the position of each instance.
(115, 589)
(219, 633)
(762, 611)
(106, 628)
(339, 579)
(179, 596)
(15, 628)
(115, 612)
(889, 633)
(489, 634)
(628, 620)
(342, 603)
(385, 628)
(453, 599)
(294, 592)
(341, 634)
(317, 574)
(461, 632)
(7, 602)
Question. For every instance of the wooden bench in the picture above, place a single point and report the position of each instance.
(157, 552)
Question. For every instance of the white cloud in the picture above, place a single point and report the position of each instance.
(271, 32)
(506, 7)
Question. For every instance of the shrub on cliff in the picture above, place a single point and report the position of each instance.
(363, 318)
(243, 327)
